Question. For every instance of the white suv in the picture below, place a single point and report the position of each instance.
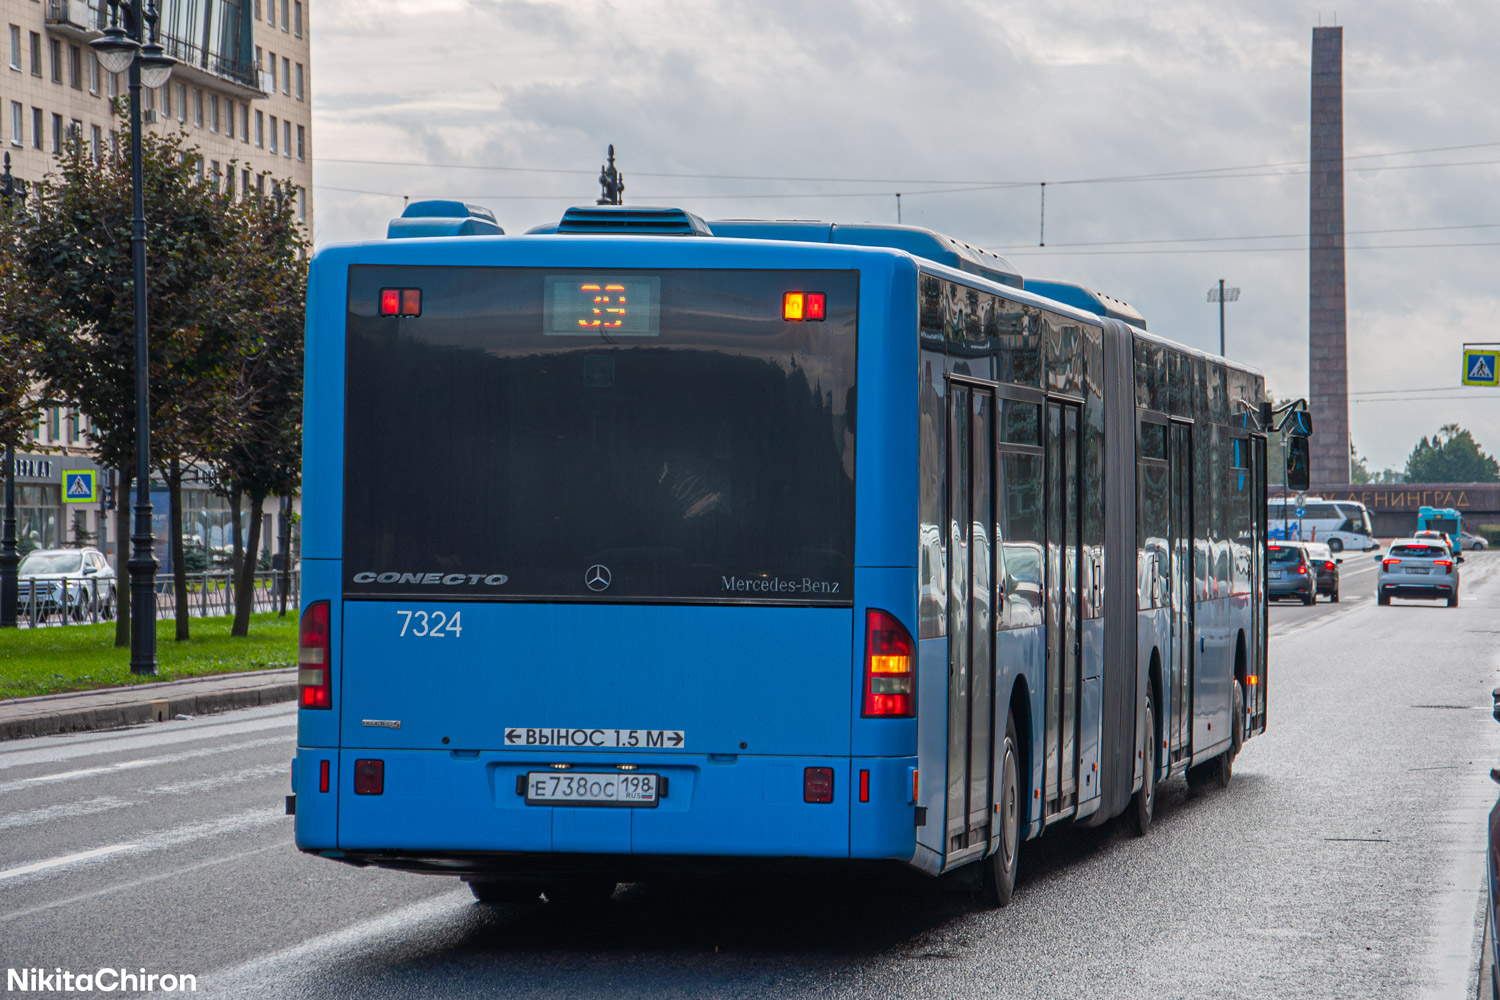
(1418, 567)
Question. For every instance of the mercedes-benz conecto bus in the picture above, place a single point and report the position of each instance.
(639, 545)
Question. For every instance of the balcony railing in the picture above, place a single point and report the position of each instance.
(84, 15)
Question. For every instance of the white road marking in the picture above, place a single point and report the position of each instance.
(214, 782)
(189, 833)
(137, 740)
(67, 859)
(129, 765)
(67, 810)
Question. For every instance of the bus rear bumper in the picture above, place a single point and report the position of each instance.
(464, 812)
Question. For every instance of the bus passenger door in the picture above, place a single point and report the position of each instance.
(1064, 580)
(970, 621)
(1255, 695)
(1180, 589)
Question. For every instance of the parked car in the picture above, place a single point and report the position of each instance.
(1423, 568)
(78, 580)
(1290, 573)
(1325, 568)
(1473, 543)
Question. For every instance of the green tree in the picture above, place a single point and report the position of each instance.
(263, 455)
(1451, 456)
(76, 253)
(1359, 473)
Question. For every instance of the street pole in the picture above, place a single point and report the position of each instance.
(136, 48)
(1221, 317)
(142, 562)
(285, 544)
(10, 557)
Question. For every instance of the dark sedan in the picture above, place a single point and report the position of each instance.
(1290, 573)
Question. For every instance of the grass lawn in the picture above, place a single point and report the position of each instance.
(84, 657)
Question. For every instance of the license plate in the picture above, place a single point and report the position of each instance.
(583, 788)
(1276, 574)
(1417, 570)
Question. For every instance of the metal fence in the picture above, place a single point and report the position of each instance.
(85, 602)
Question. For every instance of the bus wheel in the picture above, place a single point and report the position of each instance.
(1145, 799)
(500, 891)
(1214, 773)
(1237, 720)
(998, 881)
(1335, 545)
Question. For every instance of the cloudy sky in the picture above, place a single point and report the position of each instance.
(826, 109)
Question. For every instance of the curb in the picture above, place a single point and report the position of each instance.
(146, 703)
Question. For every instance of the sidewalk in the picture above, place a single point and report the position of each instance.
(111, 708)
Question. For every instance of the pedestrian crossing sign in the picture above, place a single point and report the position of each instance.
(80, 486)
(1480, 368)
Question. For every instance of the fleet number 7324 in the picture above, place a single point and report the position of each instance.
(430, 624)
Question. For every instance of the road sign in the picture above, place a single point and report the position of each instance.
(80, 486)
(1482, 367)
(1301, 513)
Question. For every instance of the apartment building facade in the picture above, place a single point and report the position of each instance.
(241, 90)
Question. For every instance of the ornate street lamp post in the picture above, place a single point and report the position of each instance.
(134, 47)
(11, 190)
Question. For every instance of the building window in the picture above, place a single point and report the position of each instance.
(36, 128)
(213, 112)
(260, 128)
(182, 102)
(258, 14)
(273, 72)
(15, 46)
(284, 19)
(75, 135)
(17, 123)
(57, 133)
(54, 51)
(229, 118)
(258, 60)
(36, 55)
(96, 141)
(197, 107)
(75, 67)
(286, 76)
(273, 133)
(301, 143)
(114, 143)
(244, 182)
(148, 98)
(271, 13)
(244, 123)
(214, 173)
(286, 134)
(260, 184)
(299, 81)
(301, 204)
(94, 72)
(114, 85)
(297, 18)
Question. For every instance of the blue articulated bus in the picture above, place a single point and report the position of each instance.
(638, 545)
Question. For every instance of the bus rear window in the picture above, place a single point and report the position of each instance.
(694, 446)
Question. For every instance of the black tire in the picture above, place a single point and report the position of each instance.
(1214, 773)
(107, 609)
(1237, 719)
(1144, 800)
(497, 892)
(1453, 599)
(998, 880)
(1382, 598)
(1333, 598)
(1311, 597)
(1335, 545)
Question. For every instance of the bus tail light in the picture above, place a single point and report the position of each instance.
(817, 785)
(313, 660)
(890, 667)
(369, 777)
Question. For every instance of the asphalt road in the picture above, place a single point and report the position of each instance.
(1345, 861)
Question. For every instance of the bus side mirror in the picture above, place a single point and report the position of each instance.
(1297, 463)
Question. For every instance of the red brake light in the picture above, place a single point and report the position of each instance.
(1445, 563)
(369, 777)
(1273, 548)
(817, 784)
(1389, 562)
(1328, 565)
(794, 306)
(401, 302)
(890, 667)
(314, 664)
(390, 302)
(817, 304)
(1301, 570)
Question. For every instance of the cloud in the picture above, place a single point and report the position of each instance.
(906, 94)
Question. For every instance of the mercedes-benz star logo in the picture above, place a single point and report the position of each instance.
(597, 577)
